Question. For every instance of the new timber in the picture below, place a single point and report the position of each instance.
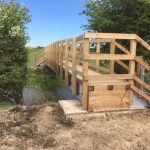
(88, 63)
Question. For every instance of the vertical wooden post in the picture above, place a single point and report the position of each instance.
(52, 56)
(112, 51)
(49, 55)
(85, 73)
(61, 60)
(98, 61)
(133, 45)
(66, 63)
(57, 58)
(74, 62)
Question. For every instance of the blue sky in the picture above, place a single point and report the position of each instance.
(53, 20)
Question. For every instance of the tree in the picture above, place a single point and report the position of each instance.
(119, 16)
(13, 55)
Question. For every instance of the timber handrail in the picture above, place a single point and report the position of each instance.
(77, 51)
(143, 43)
(140, 92)
(141, 82)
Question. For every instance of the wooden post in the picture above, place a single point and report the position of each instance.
(85, 73)
(49, 55)
(112, 62)
(98, 61)
(61, 60)
(57, 58)
(74, 63)
(133, 44)
(66, 63)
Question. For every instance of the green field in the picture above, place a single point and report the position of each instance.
(32, 53)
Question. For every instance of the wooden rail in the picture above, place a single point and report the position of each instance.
(80, 58)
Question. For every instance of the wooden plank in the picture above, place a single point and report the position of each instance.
(86, 48)
(103, 83)
(74, 63)
(142, 42)
(98, 61)
(122, 64)
(133, 45)
(125, 50)
(141, 82)
(100, 41)
(110, 36)
(110, 102)
(108, 77)
(61, 60)
(112, 62)
(109, 57)
(135, 89)
(66, 63)
(142, 63)
(57, 58)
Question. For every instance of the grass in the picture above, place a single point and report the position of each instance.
(6, 105)
(32, 53)
(43, 79)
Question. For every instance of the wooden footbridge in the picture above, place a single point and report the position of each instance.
(102, 68)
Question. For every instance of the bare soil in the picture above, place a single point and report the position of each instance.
(45, 128)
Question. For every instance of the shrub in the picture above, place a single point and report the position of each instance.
(13, 55)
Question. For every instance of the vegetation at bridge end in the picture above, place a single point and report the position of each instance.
(13, 55)
(119, 16)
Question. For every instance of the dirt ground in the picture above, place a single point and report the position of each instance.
(44, 127)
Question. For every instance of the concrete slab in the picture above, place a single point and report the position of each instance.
(71, 107)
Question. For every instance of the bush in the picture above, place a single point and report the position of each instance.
(13, 55)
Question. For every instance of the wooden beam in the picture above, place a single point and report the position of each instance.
(125, 50)
(142, 63)
(108, 77)
(100, 41)
(57, 58)
(61, 59)
(110, 36)
(66, 63)
(145, 96)
(74, 63)
(109, 57)
(142, 42)
(133, 45)
(112, 62)
(86, 48)
(98, 61)
(141, 82)
(122, 64)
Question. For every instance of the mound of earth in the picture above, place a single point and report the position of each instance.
(44, 127)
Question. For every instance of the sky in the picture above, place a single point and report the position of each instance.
(53, 20)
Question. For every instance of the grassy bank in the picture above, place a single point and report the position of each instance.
(32, 53)
(42, 79)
